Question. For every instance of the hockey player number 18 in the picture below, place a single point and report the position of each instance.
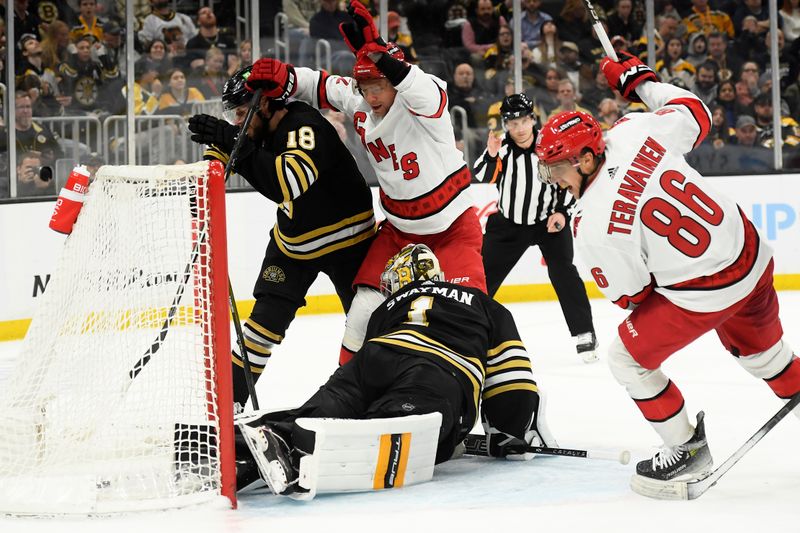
(304, 137)
(684, 233)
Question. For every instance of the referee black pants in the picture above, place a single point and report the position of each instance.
(503, 245)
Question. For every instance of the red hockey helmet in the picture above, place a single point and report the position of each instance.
(365, 69)
(564, 138)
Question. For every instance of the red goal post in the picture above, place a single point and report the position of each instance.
(141, 283)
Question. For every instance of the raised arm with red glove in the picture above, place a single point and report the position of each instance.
(276, 78)
(627, 74)
(361, 35)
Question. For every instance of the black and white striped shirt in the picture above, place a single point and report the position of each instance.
(523, 198)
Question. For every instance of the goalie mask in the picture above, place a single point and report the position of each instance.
(413, 263)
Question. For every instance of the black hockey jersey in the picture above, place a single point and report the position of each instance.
(470, 335)
(324, 204)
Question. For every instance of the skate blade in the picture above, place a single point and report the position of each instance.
(674, 489)
(271, 471)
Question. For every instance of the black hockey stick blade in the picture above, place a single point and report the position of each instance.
(693, 489)
(475, 444)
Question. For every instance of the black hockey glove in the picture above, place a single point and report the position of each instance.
(211, 130)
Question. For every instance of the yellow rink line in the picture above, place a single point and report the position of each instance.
(329, 303)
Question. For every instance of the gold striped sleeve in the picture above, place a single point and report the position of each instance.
(509, 387)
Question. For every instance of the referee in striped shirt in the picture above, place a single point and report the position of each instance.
(531, 213)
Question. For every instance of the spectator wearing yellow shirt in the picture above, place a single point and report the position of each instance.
(707, 20)
(177, 99)
(88, 23)
(146, 87)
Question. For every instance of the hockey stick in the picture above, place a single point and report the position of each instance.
(162, 334)
(475, 444)
(237, 325)
(602, 36)
(690, 490)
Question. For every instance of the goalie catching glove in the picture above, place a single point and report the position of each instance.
(276, 78)
(361, 35)
(213, 131)
(627, 74)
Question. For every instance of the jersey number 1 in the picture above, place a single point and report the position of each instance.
(419, 308)
(684, 233)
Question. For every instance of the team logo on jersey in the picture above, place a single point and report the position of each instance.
(612, 172)
(408, 407)
(274, 274)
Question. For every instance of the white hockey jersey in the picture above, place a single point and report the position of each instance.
(649, 221)
(423, 178)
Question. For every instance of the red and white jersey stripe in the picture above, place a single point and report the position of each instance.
(423, 178)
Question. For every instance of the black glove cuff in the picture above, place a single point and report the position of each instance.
(394, 69)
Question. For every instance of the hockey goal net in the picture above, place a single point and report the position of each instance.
(120, 400)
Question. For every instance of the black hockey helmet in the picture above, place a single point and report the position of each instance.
(516, 106)
(234, 93)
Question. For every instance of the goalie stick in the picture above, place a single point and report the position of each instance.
(693, 489)
(475, 444)
(162, 334)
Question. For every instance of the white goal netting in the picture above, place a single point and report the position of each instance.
(116, 403)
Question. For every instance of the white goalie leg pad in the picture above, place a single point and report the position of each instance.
(364, 303)
(641, 384)
(363, 455)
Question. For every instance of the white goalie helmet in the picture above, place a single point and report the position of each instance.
(414, 262)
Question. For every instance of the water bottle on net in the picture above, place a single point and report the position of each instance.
(70, 200)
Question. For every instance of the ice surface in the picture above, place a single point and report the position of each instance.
(586, 409)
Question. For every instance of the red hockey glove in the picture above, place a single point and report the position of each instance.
(276, 78)
(362, 32)
(627, 74)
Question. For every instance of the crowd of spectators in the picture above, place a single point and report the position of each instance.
(719, 49)
(71, 60)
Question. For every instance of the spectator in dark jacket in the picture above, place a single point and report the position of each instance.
(325, 22)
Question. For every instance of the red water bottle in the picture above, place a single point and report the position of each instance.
(70, 201)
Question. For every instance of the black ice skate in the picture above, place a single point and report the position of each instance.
(272, 455)
(689, 460)
(586, 345)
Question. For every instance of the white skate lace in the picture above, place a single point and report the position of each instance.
(667, 457)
